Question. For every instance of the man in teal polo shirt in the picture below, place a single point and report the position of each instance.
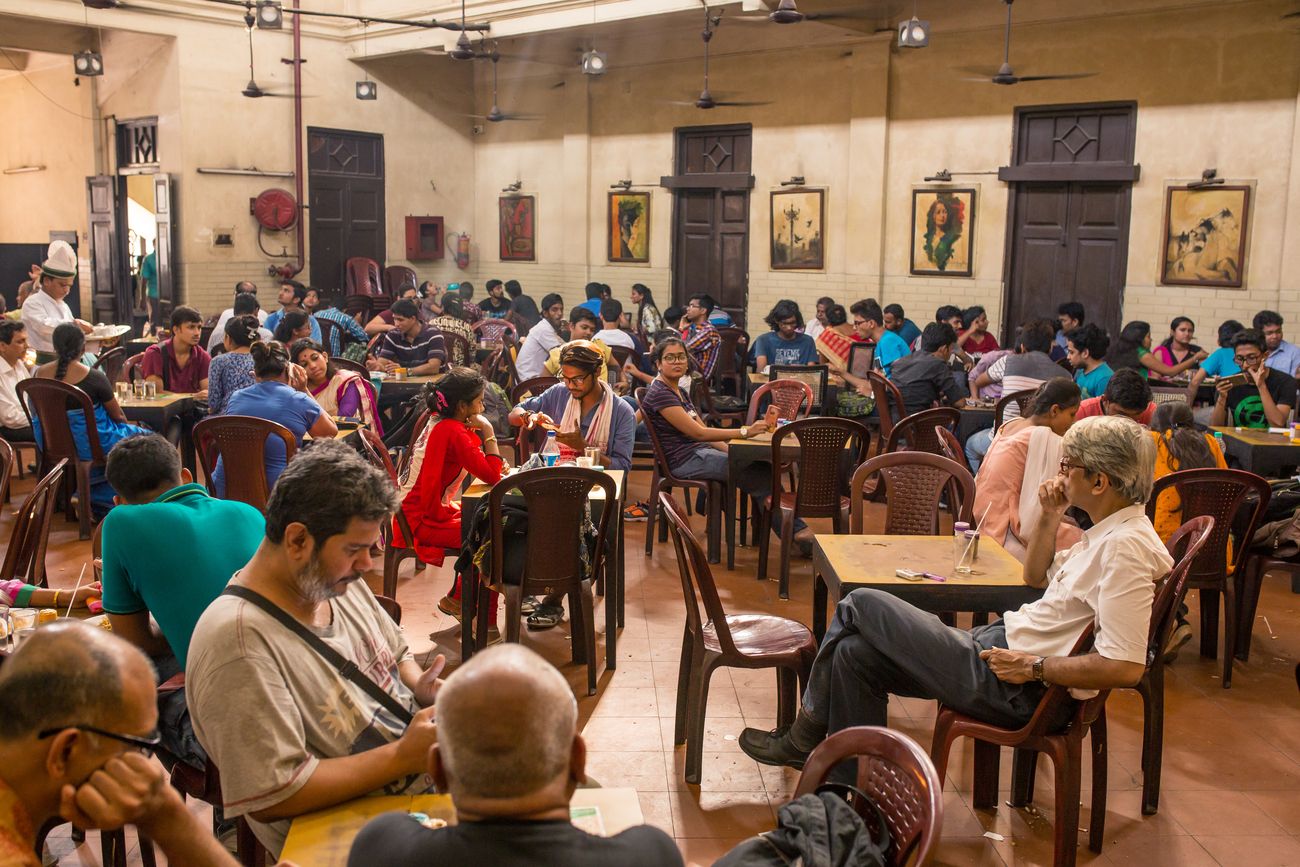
(170, 549)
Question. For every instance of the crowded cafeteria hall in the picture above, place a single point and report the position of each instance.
(649, 432)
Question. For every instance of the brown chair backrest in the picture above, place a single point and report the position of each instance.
(328, 327)
(950, 448)
(793, 399)
(112, 361)
(131, 372)
(361, 277)
(398, 278)
(732, 352)
(822, 459)
(556, 501)
(532, 388)
(1019, 398)
(913, 481)
(30, 536)
(460, 351)
(661, 462)
(8, 457)
(493, 329)
(404, 456)
(372, 446)
(391, 608)
(889, 401)
(348, 364)
(624, 354)
(362, 304)
(1184, 546)
(915, 433)
(896, 774)
(1220, 494)
(703, 605)
(240, 442)
(50, 401)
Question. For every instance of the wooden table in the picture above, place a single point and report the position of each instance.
(158, 413)
(1258, 451)
(973, 420)
(324, 838)
(842, 564)
(345, 430)
(614, 614)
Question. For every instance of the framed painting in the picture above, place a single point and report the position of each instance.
(518, 228)
(943, 231)
(798, 223)
(629, 227)
(1204, 241)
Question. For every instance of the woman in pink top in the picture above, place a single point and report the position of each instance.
(1025, 453)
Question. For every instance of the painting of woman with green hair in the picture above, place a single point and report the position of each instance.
(942, 224)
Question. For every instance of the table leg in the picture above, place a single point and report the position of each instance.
(188, 455)
(614, 590)
(712, 525)
(729, 515)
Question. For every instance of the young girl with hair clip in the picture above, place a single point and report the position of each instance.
(1181, 444)
(233, 369)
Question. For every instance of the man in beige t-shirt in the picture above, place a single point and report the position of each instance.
(288, 731)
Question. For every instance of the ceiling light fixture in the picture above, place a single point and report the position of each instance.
(594, 62)
(270, 15)
(624, 185)
(1209, 178)
(367, 90)
(913, 33)
(942, 176)
(88, 63)
(795, 181)
(513, 188)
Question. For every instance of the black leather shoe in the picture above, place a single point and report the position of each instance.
(772, 748)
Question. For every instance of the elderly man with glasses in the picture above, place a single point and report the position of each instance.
(878, 645)
(77, 720)
(1260, 396)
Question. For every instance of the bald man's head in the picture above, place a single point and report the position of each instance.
(70, 673)
(506, 724)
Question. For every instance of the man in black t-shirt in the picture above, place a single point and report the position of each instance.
(1264, 400)
(510, 754)
(496, 305)
(924, 377)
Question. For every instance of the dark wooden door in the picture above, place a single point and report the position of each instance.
(1069, 244)
(111, 299)
(345, 172)
(711, 216)
(164, 208)
(1071, 190)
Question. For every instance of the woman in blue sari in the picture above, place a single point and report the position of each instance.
(110, 421)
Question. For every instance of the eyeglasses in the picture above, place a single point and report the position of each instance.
(674, 359)
(1067, 465)
(145, 744)
(576, 380)
(1246, 359)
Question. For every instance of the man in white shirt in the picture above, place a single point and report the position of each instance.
(819, 322)
(13, 370)
(611, 317)
(246, 304)
(541, 339)
(878, 644)
(45, 308)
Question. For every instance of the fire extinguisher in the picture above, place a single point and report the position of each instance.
(461, 250)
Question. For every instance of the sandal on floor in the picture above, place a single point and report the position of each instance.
(449, 606)
(636, 512)
(546, 617)
(528, 605)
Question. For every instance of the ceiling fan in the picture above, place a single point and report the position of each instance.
(1006, 76)
(787, 12)
(254, 90)
(496, 115)
(706, 99)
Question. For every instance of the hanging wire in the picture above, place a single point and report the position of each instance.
(365, 47)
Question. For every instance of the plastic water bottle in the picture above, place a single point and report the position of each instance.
(551, 451)
(1218, 440)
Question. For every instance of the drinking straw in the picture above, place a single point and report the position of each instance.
(75, 589)
(971, 540)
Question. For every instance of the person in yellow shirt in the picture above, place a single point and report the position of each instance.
(584, 325)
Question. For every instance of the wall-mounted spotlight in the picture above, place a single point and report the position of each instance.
(1209, 178)
(624, 185)
(795, 181)
(594, 62)
(270, 16)
(913, 33)
(367, 90)
(943, 176)
(513, 188)
(88, 63)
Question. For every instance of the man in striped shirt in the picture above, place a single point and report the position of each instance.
(348, 330)
(702, 339)
(411, 344)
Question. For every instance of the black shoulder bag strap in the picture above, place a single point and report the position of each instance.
(345, 667)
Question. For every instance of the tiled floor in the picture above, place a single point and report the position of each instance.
(1231, 787)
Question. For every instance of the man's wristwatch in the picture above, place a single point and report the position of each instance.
(1038, 669)
(744, 432)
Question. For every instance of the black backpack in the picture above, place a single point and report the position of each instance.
(818, 830)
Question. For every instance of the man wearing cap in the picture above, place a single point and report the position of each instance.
(45, 308)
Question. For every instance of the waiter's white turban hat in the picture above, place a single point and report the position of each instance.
(60, 261)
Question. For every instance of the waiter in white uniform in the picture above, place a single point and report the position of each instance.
(45, 308)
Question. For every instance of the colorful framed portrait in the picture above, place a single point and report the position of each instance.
(798, 230)
(629, 227)
(518, 228)
(1204, 240)
(943, 232)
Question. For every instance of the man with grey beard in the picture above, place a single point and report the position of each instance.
(301, 689)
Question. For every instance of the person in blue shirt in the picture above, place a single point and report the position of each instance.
(1282, 356)
(1087, 347)
(896, 321)
(1222, 361)
(595, 296)
(291, 298)
(718, 317)
(784, 344)
(869, 323)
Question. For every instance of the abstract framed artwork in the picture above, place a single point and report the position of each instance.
(1204, 241)
(518, 216)
(798, 236)
(943, 231)
(629, 227)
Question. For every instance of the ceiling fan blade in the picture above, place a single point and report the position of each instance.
(737, 102)
(835, 15)
(1063, 76)
(979, 71)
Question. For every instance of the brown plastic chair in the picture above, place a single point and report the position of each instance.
(1221, 494)
(348, 364)
(713, 639)
(458, 348)
(240, 442)
(131, 372)
(890, 408)
(50, 401)
(950, 448)
(8, 457)
(733, 352)
(825, 446)
(328, 327)
(915, 433)
(30, 535)
(1019, 398)
(1251, 579)
(1183, 546)
(527, 442)
(913, 483)
(398, 278)
(112, 361)
(556, 501)
(391, 608)
(361, 277)
(793, 399)
(493, 329)
(895, 772)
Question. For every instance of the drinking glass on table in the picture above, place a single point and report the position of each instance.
(592, 454)
(150, 390)
(123, 390)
